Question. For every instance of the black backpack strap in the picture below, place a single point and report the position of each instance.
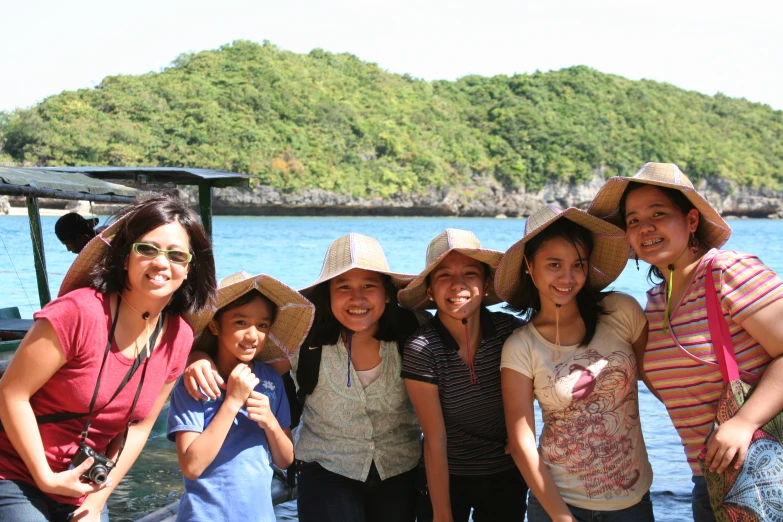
(408, 321)
(308, 369)
(293, 401)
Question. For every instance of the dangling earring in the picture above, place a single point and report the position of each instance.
(636, 257)
(693, 242)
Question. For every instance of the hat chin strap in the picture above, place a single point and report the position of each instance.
(558, 348)
(666, 324)
(470, 356)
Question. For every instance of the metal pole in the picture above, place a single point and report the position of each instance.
(205, 202)
(36, 237)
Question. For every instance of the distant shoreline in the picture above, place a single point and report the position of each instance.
(22, 211)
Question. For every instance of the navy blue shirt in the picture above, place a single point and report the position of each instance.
(236, 486)
(472, 413)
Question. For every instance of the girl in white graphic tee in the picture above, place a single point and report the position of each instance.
(576, 355)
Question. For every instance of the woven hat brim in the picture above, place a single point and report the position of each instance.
(79, 274)
(607, 260)
(606, 205)
(398, 280)
(414, 296)
(295, 315)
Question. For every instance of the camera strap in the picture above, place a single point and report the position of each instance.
(135, 366)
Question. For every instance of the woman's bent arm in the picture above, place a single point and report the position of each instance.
(37, 359)
(137, 437)
(639, 347)
(520, 423)
(426, 402)
(733, 437)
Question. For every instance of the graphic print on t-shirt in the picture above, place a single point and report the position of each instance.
(592, 430)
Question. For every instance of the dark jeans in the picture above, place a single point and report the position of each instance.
(324, 496)
(22, 502)
(642, 511)
(700, 501)
(499, 497)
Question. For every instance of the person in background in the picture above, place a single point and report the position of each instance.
(85, 386)
(74, 231)
(674, 229)
(225, 447)
(357, 444)
(452, 371)
(576, 354)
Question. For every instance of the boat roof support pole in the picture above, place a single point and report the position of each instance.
(205, 202)
(36, 236)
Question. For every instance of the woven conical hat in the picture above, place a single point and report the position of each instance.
(294, 312)
(713, 229)
(414, 296)
(607, 260)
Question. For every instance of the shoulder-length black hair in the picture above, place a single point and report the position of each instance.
(139, 218)
(207, 341)
(680, 201)
(326, 328)
(526, 302)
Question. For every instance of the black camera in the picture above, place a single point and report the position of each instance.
(101, 465)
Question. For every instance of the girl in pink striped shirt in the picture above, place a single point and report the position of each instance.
(671, 226)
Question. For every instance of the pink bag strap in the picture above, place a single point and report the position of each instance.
(719, 330)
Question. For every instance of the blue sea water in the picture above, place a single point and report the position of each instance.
(292, 249)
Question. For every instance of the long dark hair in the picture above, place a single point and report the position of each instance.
(326, 328)
(526, 302)
(680, 201)
(207, 341)
(147, 214)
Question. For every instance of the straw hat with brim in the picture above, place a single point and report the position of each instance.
(355, 251)
(79, 275)
(414, 296)
(294, 312)
(713, 229)
(607, 260)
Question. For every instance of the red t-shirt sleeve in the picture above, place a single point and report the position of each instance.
(182, 345)
(74, 316)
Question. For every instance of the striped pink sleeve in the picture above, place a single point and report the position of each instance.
(747, 284)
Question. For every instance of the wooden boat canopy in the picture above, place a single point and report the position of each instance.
(104, 185)
(40, 183)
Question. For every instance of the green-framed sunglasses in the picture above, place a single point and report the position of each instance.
(151, 252)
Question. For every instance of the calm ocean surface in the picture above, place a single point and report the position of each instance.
(292, 249)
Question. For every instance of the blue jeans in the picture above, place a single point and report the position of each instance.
(324, 496)
(22, 502)
(700, 501)
(639, 512)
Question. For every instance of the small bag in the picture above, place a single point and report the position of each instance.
(754, 493)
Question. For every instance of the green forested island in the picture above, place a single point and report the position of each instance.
(333, 122)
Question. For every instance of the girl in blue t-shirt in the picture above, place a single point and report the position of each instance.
(226, 446)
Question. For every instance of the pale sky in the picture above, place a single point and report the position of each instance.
(709, 46)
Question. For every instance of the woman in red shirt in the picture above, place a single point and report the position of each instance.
(75, 372)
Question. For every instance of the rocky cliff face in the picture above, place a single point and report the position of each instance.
(484, 197)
